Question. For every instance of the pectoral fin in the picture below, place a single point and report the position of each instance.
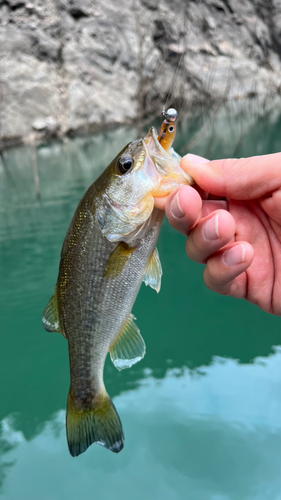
(153, 271)
(50, 318)
(129, 347)
(117, 260)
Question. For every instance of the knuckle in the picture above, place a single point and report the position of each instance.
(217, 279)
(193, 251)
(233, 169)
(209, 282)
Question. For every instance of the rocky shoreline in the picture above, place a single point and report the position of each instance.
(70, 67)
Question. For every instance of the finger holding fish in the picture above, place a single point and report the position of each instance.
(160, 202)
(183, 208)
(211, 231)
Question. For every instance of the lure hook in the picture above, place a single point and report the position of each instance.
(171, 114)
(168, 128)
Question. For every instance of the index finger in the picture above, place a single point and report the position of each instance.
(239, 179)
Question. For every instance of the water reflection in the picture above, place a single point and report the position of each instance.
(202, 410)
(214, 434)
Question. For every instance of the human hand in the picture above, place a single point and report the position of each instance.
(236, 231)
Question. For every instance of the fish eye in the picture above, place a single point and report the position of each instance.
(125, 164)
(171, 128)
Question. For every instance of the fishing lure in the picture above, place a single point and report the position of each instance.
(168, 129)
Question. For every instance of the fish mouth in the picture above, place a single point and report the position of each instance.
(124, 208)
(167, 164)
(154, 148)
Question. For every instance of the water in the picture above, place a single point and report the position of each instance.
(201, 412)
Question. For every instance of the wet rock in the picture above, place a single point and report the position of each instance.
(46, 124)
(75, 65)
(15, 4)
(45, 46)
(150, 4)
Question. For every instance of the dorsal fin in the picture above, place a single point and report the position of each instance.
(153, 271)
(129, 347)
(50, 318)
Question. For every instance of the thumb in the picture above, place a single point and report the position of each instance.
(240, 179)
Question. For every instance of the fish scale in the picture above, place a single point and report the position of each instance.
(109, 250)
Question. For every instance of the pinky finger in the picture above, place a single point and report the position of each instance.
(225, 271)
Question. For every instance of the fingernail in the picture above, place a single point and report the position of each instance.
(235, 255)
(211, 228)
(196, 159)
(175, 207)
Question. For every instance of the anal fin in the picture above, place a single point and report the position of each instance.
(153, 272)
(129, 347)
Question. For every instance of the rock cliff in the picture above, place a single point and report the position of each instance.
(68, 66)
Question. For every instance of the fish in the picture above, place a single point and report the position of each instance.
(108, 251)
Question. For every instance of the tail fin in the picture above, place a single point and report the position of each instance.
(100, 424)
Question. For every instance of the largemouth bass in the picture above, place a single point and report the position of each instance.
(109, 250)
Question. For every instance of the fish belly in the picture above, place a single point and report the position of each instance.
(93, 306)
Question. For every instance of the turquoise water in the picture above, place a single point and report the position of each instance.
(201, 412)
